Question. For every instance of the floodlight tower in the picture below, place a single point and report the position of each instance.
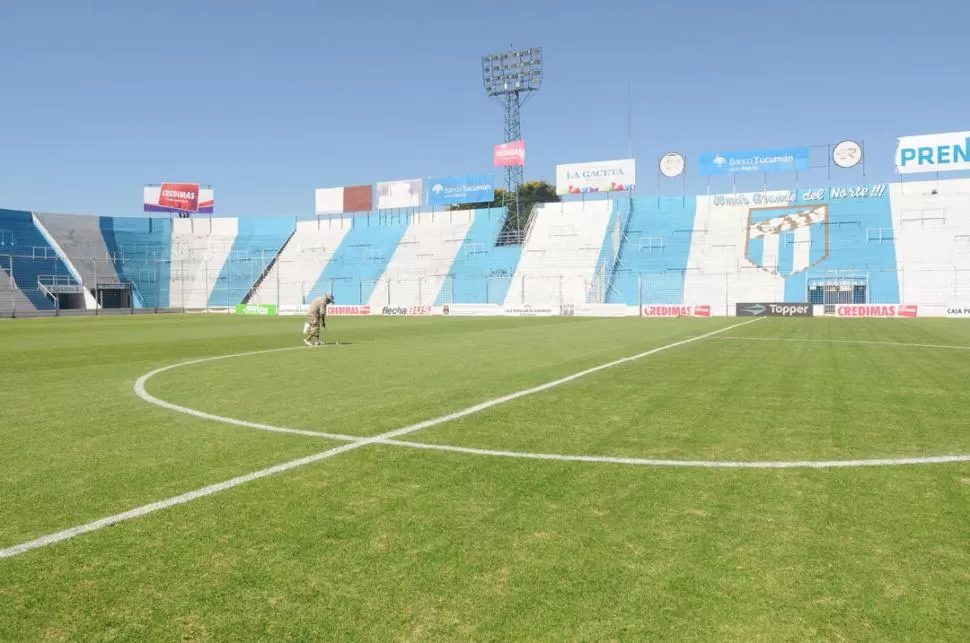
(511, 77)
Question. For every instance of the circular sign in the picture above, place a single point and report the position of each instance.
(847, 154)
(672, 164)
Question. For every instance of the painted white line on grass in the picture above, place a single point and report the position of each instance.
(357, 443)
(704, 464)
(846, 341)
(148, 397)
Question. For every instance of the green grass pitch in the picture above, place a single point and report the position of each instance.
(387, 542)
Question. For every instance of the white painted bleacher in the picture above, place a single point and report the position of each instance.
(718, 273)
(931, 226)
(200, 248)
(560, 254)
(301, 262)
(419, 267)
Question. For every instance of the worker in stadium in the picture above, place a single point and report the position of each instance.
(316, 317)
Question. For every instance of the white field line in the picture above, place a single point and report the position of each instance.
(846, 341)
(706, 464)
(151, 399)
(357, 443)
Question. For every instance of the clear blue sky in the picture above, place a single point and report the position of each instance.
(269, 100)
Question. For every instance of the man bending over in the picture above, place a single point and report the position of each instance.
(316, 317)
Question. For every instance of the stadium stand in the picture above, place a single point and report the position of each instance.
(930, 238)
(200, 249)
(141, 252)
(654, 251)
(81, 245)
(301, 262)
(12, 300)
(482, 270)
(418, 270)
(34, 261)
(901, 243)
(559, 253)
(255, 247)
(353, 272)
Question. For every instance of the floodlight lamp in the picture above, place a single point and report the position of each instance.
(512, 71)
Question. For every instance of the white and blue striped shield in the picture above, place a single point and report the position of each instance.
(788, 240)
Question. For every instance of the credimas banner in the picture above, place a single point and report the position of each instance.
(178, 197)
(470, 188)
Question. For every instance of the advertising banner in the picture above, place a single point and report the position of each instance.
(786, 159)
(877, 310)
(933, 153)
(256, 309)
(348, 311)
(676, 311)
(528, 310)
(399, 194)
(471, 310)
(356, 198)
(509, 154)
(598, 176)
(178, 197)
(407, 311)
(958, 312)
(774, 310)
(329, 201)
(593, 310)
(468, 188)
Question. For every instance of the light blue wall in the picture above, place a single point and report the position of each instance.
(671, 219)
(353, 271)
(146, 245)
(257, 243)
(482, 271)
(849, 253)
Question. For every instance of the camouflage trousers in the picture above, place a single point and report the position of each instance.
(311, 331)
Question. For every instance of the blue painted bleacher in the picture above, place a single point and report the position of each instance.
(849, 250)
(481, 271)
(31, 255)
(656, 244)
(142, 254)
(361, 259)
(256, 245)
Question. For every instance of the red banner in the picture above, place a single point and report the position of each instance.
(359, 198)
(347, 311)
(180, 196)
(510, 154)
(878, 310)
(677, 311)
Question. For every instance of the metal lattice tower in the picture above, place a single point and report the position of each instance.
(511, 77)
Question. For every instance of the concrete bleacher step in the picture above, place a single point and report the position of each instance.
(12, 299)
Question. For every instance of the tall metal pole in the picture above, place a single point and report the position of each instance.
(511, 77)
